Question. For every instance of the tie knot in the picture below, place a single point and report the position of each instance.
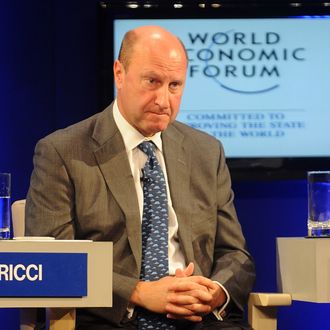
(148, 148)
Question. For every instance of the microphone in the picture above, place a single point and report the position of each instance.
(142, 175)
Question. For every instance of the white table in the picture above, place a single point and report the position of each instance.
(61, 310)
(303, 268)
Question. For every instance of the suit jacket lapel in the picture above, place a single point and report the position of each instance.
(177, 159)
(113, 162)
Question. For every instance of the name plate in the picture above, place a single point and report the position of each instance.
(29, 274)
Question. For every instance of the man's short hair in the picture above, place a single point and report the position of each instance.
(126, 48)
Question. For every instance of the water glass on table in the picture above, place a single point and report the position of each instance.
(318, 203)
(5, 183)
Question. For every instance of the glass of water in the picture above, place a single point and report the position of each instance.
(318, 203)
(5, 184)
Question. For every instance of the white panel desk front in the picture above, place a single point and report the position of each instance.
(303, 268)
(99, 273)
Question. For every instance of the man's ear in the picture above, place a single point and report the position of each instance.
(118, 72)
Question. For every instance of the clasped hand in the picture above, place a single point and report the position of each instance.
(182, 296)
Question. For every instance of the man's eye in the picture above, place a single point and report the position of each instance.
(175, 85)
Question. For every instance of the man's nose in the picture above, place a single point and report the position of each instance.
(162, 97)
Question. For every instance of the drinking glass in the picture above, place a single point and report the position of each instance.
(318, 183)
(5, 182)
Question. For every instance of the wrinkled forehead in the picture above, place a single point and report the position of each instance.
(167, 63)
(169, 49)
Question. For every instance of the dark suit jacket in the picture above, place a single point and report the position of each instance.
(82, 187)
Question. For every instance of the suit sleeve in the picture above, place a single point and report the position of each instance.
(233, 266)
(50, 211)
(50, 200)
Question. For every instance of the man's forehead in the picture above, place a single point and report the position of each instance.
(161, 65)
(165, 56)
(171, 74)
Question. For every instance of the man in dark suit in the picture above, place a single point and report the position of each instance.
(86, 185)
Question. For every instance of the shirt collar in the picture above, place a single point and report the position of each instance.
(131, 136)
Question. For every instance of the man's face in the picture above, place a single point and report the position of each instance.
(150, 89)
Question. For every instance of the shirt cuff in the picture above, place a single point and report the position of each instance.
(130, 310)
(220, 312)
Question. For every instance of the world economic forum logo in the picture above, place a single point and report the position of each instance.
(241, 62)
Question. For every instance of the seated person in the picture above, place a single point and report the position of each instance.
(158, 189)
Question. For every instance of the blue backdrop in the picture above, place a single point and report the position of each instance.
(49, 79)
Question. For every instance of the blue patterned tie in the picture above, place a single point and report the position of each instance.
(154, 233)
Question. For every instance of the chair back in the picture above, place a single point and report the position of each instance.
(18, 217)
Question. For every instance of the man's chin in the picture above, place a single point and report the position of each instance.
(152, 130)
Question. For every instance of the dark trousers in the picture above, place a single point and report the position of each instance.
(209, 322)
